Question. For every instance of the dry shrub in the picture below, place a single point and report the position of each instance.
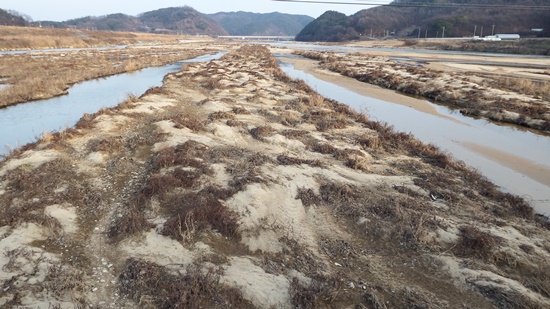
(475, 243)
(261, 132)
(221, 115)
(185, 154)
(234, 123)
(214, 83)
(240, 110)
(109, 144)
(155, 90)
(410, 42)
(130, 222)
(191, 117)
(153, 286)
(295, 134)
(193, 212)
(323, 291)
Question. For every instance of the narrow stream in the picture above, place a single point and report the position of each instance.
(25, 123)
(524, 156)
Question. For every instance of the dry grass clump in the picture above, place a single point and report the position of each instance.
(189, 169)
(322, 292)
(473, 101)
(109, 144)
(193, 213)
(398, 217)
(221, 116)
(185, 154)
(520, 85)
(475, 243)
(240, 110)
(29, 191)
(261, 132)
(34, 78)
(154, 91)
(154, 286)
(191, 117)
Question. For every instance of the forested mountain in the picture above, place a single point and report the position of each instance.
(112, 22)
(405, 21)
(246, 23)
(184, 20)
(9, 18)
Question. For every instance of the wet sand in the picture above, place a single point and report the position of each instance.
(538, 172)
(310, 66)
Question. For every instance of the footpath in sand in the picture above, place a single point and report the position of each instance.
(233, 186)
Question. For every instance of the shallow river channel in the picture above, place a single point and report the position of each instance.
(24, 123)
(516, 160)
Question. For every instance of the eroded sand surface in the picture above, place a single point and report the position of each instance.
(233, 186)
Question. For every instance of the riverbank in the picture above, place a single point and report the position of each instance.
(519, 101)
(41, 75)
(235, 186)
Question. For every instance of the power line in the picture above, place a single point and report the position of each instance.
(428, 5)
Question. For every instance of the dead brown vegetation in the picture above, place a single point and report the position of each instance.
(32, 78)
(473, 97)
(151, 285)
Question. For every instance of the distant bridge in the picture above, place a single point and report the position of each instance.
(258, 37)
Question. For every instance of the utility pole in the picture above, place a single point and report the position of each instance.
(426, 34)
(493, 31)
(475, 28)
(443, 35)
(419, 33)
(481, 34)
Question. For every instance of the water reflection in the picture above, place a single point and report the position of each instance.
(457, 137)
(23, 123)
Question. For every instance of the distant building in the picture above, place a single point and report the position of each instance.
(508, 36)
(537, 29)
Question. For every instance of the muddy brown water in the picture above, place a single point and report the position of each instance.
(516, 160)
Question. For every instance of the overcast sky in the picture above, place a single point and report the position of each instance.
(60, 10)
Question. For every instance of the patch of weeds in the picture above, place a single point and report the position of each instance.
(191, 117)
(152, 285)
(322, 292)
(261, 132)
(234, 123)
(295, 134)
(324, 148)
(240, 110)
(308, 197)
(130, 222)
(507, 299)
(475, 243)
(186, 154)
(337, 249)
(109, 144)
(221, 115)
(155, 90)
(64, 283)
(192, 213)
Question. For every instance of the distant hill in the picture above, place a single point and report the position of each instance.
(112, 22)
(458, 22)
(184, 19)
(10, 18)
(332, 26)
(246, 23)
(176, 19)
